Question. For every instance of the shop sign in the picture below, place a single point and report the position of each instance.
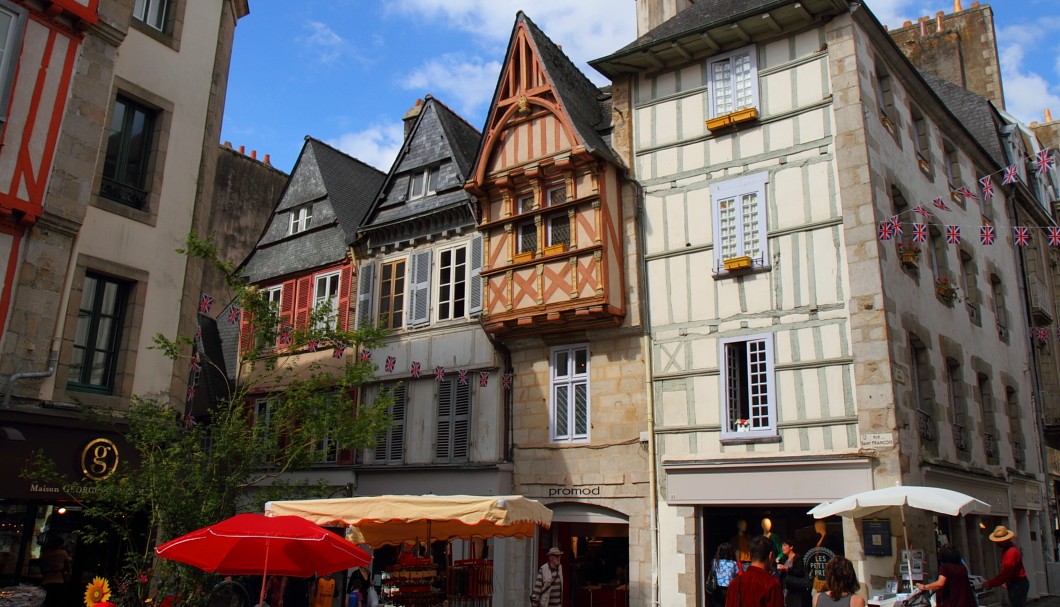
(99, 459)
(574, 491)
(877, 534)
(815, 560)
(877, 440)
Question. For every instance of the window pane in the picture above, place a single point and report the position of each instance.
(758, 384)
(528, 238)
(97, 375)
(110, 298)
(105, 326)
(729, 245)
(114, 141)
(557, 196)
(88, 293)
(581, 409)
(416, 186)
(721, 78)
(138, 136)
(432, 179)
(751, 244)
(581, 361)
(559, 230)
(741, 66)
(562, 413)
(561, 364)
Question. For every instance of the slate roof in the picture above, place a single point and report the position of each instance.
(437, 137)
(340, 190)
(580, 98)
(974, 112)
(702, 15)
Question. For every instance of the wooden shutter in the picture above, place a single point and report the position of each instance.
(444, 435)
(454, 417)
(390, 445)
(345, 286)
(304, 302)
(474, 280)
(365, 294)
(286, 311)
(246, 333)
(461, 422)
(420, 288)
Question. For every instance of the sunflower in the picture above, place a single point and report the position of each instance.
(97, 592)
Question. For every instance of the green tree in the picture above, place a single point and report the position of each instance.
(195, 472)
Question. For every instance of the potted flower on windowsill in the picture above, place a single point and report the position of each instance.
(743, 425)
(946, 289)
(909, 255)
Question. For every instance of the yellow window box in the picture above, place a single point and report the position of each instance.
(720, 122)
(521, 257)
(748, 113)
(737, 263)
(556, 248)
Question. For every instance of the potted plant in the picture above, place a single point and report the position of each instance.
(743, 425)
(946, 289)
(909, 255)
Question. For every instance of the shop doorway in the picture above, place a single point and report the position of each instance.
(595, 562)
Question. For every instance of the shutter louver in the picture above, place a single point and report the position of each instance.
(443, 443)
(420, 289)
(304, 302)
(246, 333)
(396, 450)
(365, 294)
(475, 281)
(345, 286)
(462, 422)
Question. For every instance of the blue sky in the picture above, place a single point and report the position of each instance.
(345, 71)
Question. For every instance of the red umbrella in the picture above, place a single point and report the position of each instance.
(249, 544)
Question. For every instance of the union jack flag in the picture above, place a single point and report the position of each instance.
(987, 235)
(415, 370)
(483, 379)
(196, 364)
(1053, 235)
(191, 393)
(920, 232)
(987, 185)
(205, 303)
(953, 234)
(896, 226)
(1021, 236)
(233, 315)
(506, 381)
(1010, 175)
(1043, 333)
(439, 373)
(313, 345)
(461, 377)
(886, 230)
(940, 204)
(964, 191)
(366, 354)
(391, 362)
(340, 349)
(285, 336)
(922, 211)
(198, 333)
(1044, 161)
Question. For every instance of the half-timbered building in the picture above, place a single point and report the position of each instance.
(561, 291)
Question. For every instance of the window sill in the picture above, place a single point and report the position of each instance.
(126, 211)
(748, 438)
(723, 274)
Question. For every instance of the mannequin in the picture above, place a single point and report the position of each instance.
(825, 540)
(767, 531)
(740, 542)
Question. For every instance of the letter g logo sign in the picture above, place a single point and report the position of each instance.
(99, 459)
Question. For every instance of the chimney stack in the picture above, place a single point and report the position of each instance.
(410, 116)
(957, 6)
(1048, 115)
(267, 160)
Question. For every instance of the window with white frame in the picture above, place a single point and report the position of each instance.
(423, 182)
(452, 283)
(748, 397)
(570, 394)
(325, 451)
(452, 439)
(390, 444)
(739, 209)
(392, 294)
(12, 29)
(733, 81)
(274, 298)
(301, 218)
(326, 296)
(152, 12)
(263, 417)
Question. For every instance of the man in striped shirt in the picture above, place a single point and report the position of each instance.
(548, 584)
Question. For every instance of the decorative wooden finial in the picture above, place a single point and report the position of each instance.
(957, 6)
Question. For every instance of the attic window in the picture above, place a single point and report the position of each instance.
(423, 182)
(300, 219)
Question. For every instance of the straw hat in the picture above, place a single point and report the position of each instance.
(555, 552)
(1002, 533)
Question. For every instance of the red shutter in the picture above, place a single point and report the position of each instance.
(246, 333)
(345, 285)
(303, 302)
(287, 306)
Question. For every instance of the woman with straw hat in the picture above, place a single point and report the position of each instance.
(1012, 575)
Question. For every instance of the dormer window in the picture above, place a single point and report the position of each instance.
(300, 219)
(423, 182)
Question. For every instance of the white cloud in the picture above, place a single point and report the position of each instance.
(463, 83)
(322, 41)
(576, 26)
(376, 145)
(1027, 93)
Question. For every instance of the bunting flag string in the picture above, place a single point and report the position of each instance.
(339, 350)
(461, 377)
(415, 370)
(205, 303)
(483, 379)
(233, 315)
(439, 373)
(391, 362)
(366, 355)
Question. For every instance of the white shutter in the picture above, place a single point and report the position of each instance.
(475, 294)
(420, 288)
(390, 444)
(462, 422)
(444, 435)
(365, 294)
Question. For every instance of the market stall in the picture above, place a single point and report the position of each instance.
(395, 520)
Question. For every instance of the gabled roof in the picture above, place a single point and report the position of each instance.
(438, 137)
(975, 113)
(340, 190)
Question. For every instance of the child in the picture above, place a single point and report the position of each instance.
(356, 596)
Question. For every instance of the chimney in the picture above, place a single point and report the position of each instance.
(411, 116)
(254, 154)
(1048, 115)
(267, 160)
(957, 6)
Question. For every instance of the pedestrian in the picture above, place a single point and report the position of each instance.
(793, 578)
(842, 584)
(756, 586)
(548, 583)
(1012, 575)
(356, 596)
(952, 586)
(55, 566)
(724, 568)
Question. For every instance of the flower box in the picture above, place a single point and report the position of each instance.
(738, 263)
(719, 122)
(556, 248)
(749, 113)
(726, 120)
(743, 425)
(909, 256)
(946, 290)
